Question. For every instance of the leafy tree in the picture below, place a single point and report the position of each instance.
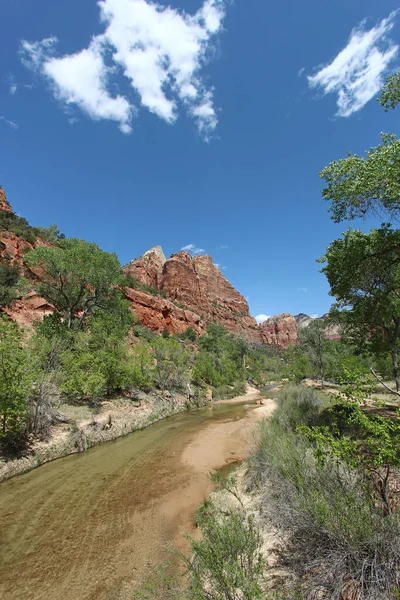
(313, 341)
(51, 233)
(170, 371)
(379, 452)
(189, 335)
(99, 360)
(144, 362)
(9, 277)
(79, 278)
(357, 186)
(298, 364)
(15, 380)
(363, 270)
(390, 92)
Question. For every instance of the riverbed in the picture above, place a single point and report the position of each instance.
(89, 526)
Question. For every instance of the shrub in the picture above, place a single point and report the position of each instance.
(337, 538)
(227, 562)
(298, 406)
(15, 382)
(9, 277)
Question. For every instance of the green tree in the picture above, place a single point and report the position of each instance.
(78, 278)
(313, 341)
(379, 452)
(171, 368)
(357, 185)
(98, 360)
(363, 270)
(390, 92)
(298, 366)
(9, 276)
(15, 379)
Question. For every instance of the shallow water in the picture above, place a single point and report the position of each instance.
(89, 525)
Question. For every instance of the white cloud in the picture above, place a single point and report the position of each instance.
(193, 249)
(357, 73)
(9, 123)
(301, 71)
(314, 316)
(13, 89)
(222, 247)
(160, 50)
(261, 318)
(80, 79)
(302, 289)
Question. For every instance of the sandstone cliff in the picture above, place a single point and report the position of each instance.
(332, 330)
(4, 204)
(197, 292)
(192, 292)
(280, 330)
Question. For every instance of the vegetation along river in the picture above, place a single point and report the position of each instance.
(89, 526)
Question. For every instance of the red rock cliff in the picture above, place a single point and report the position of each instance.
(280, 330)
(4, 204)
(198, 287)
(148, 269)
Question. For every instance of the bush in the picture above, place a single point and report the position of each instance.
(189, 335)
(227, 562)
(298, 406)
(9, 221)
(9, 277)
(337, 538)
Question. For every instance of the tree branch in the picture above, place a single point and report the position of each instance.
(384, 384)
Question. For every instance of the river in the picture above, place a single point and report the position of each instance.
(88, 526)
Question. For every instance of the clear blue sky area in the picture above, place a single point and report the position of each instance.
(224, 156)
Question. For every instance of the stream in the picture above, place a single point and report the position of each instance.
(89, 526)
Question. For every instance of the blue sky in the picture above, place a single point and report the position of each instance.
(217, 145)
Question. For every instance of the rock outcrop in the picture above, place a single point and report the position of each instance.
(148, 269)
(280, 330)
(197, 290)
(158, 313)
(332, 330)
(4, 204)
(303, 320)
(187, 292)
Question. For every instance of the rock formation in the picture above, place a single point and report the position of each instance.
(4, 204)
(332, 330)
(280, 330)
(192, 292)
(148, 269)
(195, 287)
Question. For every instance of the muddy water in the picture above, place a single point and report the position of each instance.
(89, 525)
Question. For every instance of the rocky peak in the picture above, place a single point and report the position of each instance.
(303, 320)
(195, 285)
(4, 204)
(148, 269)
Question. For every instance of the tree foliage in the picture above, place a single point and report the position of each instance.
(390, 92)
(79, 278)
(313, 341)
(15, 380)
(364, 274)
(358, 186)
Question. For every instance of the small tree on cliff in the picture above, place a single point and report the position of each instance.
(363, 270)
(79, 278)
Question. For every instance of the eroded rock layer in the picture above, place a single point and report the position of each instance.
(280, 330)
(195, 286)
